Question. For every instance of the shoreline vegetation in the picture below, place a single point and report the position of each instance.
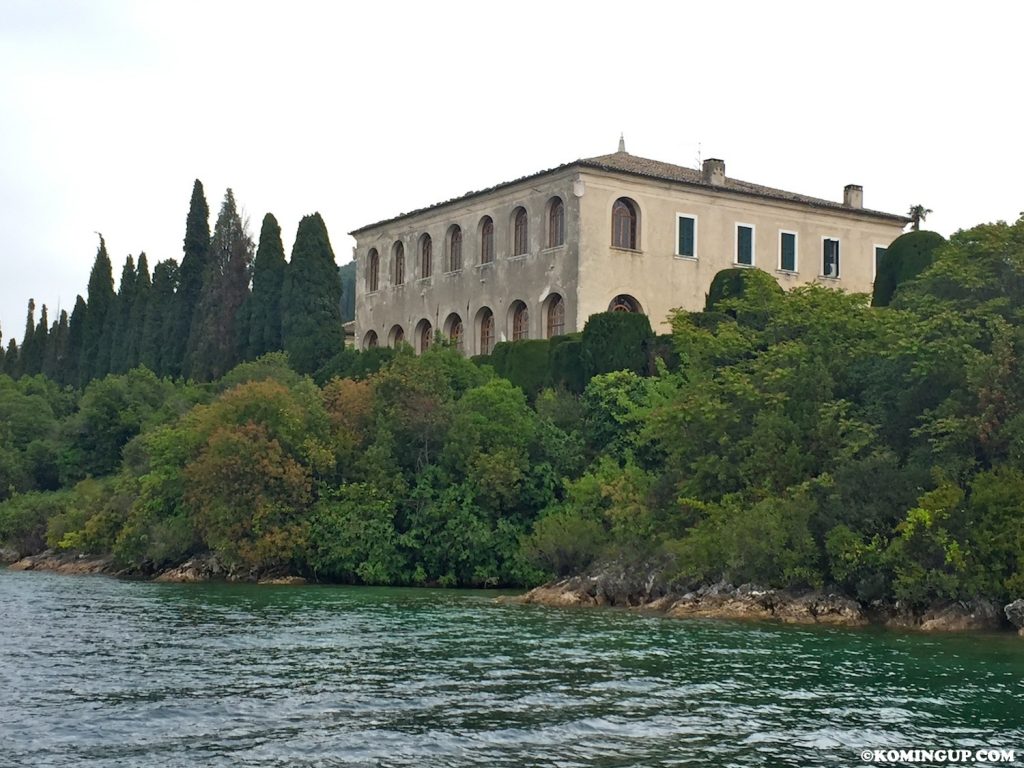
(838, 457)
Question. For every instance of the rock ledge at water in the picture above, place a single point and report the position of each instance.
(642, 586)
(70, 563)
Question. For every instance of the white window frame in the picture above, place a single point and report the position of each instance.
(796, 252)
(839, 257)
(874, 259)
(696, 231)
(736, 246)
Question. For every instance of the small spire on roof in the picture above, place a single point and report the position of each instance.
(622, 143)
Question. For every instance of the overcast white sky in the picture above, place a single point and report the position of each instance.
(109, 110)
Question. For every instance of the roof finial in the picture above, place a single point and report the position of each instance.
(622, 143)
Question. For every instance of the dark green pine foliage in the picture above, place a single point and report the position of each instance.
(99, 304)
(213, 347)
(311, 300)
(56, 348)
(27, 354)
(76, 330)
(120, 325)
(11, 359)
(264, 305)
(132, 336)
(3, 355)
(190, 280)
(348, 291)
(40, 343)
(158, 327)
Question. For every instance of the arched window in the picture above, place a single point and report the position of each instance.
(556, 223)
(455, 248)
(426, 256)
(453, 329)
(486, 331)
(624, 224)
(520, 233)
(370, 340)
(556, 316)
(373, 272)
(398, 259)
(424, 335)
(486, 240)
(520, 321)
(624, 303)
(396, 336)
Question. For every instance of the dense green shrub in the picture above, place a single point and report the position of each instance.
(908, 256)
(565, 363)
(524, 363)
(617, 341)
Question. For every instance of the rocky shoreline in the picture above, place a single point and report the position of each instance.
(750, 602)
(199, 569)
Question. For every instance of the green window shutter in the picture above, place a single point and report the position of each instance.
(745, 251)
(686, 233)
(788, 251)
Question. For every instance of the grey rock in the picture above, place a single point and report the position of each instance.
(1015, 613)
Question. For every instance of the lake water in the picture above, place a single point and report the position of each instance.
(100, 672)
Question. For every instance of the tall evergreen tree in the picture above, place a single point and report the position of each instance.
(120, 319)
(57, 348)
(212, 345)
(40, 342)
(264, 306)
(311, 299)
(27, 355)
(11, 359)
(137, 317)
(3, 354)
(190, 278)
(348, 291)
(156, 346)
(76, 336)
(100, 302)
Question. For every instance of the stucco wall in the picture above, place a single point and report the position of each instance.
(661, 281)
(531, 278)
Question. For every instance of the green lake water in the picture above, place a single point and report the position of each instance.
(100, 672)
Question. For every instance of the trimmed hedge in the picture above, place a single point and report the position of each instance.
(524, 363)
(565, 363)
(732, 283)
(617, 341)
(908, 256)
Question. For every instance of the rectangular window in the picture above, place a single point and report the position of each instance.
(787, 251)
(879, 255)
(686, 236)
(744, 244)
(830, 257)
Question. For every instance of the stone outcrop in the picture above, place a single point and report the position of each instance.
(63, 562)
(1015, 615)
(196, 569)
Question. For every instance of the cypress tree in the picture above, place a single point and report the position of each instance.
(40, 343)
(137, 317)
(155, 344)
(190, 278)
(101, 299)
(3, 355)
(348, 291)
(11, 359)
(120, 319)
(26, 358)
(76, 329)
(311, 298)
(212, 346)
(57, 348)
(264, 315)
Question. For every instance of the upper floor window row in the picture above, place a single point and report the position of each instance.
(454, 245)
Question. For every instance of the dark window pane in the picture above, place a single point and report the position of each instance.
(686, 232)
(788, 251)
(745, 245)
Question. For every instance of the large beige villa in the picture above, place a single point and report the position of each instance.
(535, 257)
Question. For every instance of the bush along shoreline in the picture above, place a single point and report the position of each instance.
(779, 454)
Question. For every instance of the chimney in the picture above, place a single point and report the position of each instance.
(853, 196)
(713, 172)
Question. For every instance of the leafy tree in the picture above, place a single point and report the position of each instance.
(264, 306)
(213, 348)
(311, 298)
(352, 536)
(190, 281)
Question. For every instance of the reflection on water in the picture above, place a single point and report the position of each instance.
(108, 673)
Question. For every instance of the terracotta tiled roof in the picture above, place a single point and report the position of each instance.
(623, 162)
